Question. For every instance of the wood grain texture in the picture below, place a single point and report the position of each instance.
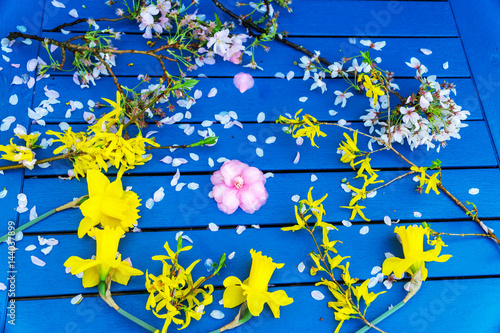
(13, 181)
(365, 251)
(360, 19)
(188, 208)
(281, 58)
(437, 304)
(234, 144)
(266, 96)
(478, 26)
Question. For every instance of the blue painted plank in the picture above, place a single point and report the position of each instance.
(233, 144)
(478, 26)
(31, 18)
(281, 58)
(438, 304)
(365, 253)
(196, 209)
(371, 19)
(265, 96)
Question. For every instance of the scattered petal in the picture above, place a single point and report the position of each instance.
(77, 299)
(243, 81)
(150, 203)
(73, 13)
(314, 178)
(159, 195)
(387, 220)
(271, 139)
(290, 75)
(216, 314)
(301, 267)
(251, 138)
(179, 186)
(13, 99)
(473, 191)
(261, 117)
(212, 92)
(417, 214)
(231, 255)
(58, 4)
(30, 247)
(193, 186)
(426, 51)
(33, 214)
(375, 270)
(295, 198)
(240, 229)
(3, 193)
(332, 112)
(297, 158)
(37, 261)
(317, 295)
(446, 65)
(303, 99)
(346, 223)
(364, 230)
(47, 249)
(194, 157)
(259, 152)
(213, 227)
(279, 75)
(210, 162)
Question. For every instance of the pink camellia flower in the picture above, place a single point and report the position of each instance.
(238, 185)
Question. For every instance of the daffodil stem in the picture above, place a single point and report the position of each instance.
(71, 204)
(382, 317)
(136, 320)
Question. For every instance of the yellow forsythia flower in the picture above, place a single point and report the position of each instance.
(106, 262)
(415, 257)
(372, 90)
(108, 204)
(20, 154)
(254, 289)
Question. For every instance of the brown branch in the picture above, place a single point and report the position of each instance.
(250, 25)
(81, 20)
(108, 67)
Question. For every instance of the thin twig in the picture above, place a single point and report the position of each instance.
(81, 20)
(108, 68)
(391, 181)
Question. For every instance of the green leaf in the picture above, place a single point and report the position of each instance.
(436, 164)
(179, 243)
(189, 83)
(218, 22)
(211, 140)
(221, 264)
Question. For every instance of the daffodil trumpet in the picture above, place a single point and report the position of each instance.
(72, 204)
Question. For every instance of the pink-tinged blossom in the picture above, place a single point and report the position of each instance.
(220, 41)
(376, 46)
(243, 81)
(238, 185)
(342, 97)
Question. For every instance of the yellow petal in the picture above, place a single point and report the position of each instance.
(233, 296)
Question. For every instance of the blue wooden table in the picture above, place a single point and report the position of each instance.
(460, 295)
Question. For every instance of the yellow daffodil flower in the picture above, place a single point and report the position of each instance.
(415, 257)
(108, 204)
(372, 90)
(106, 262)
(254, 289)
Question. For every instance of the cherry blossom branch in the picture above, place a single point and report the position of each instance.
(391, 181)
(108, 68)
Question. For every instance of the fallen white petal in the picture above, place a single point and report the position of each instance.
(30, 247)
(259, 152)
(314, 178)
(210, 162)
(301, 267)
(375, 270)
(179, 186)
(194, 157)
(346, 223)
(270, 139)
(213, 227)
(159, 195)
(193, 186)
(473, 191)
(46, 250)
(73, 13)
(317, 295)
(426, 51)
(240, 229)
(290, 75)
(150, 203)
(417, 214)
(33, 214)
(77, 299)
(364, 230)
(297, 158)
(295, 198)
(231, 255)
(13, 99)
(58, 4)
(387, 220)
(3, 193)
(251, 138)
(261, 117)
(37, 261)
(303, 99)
(212, 92)
(446, 65)
(216, 314)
